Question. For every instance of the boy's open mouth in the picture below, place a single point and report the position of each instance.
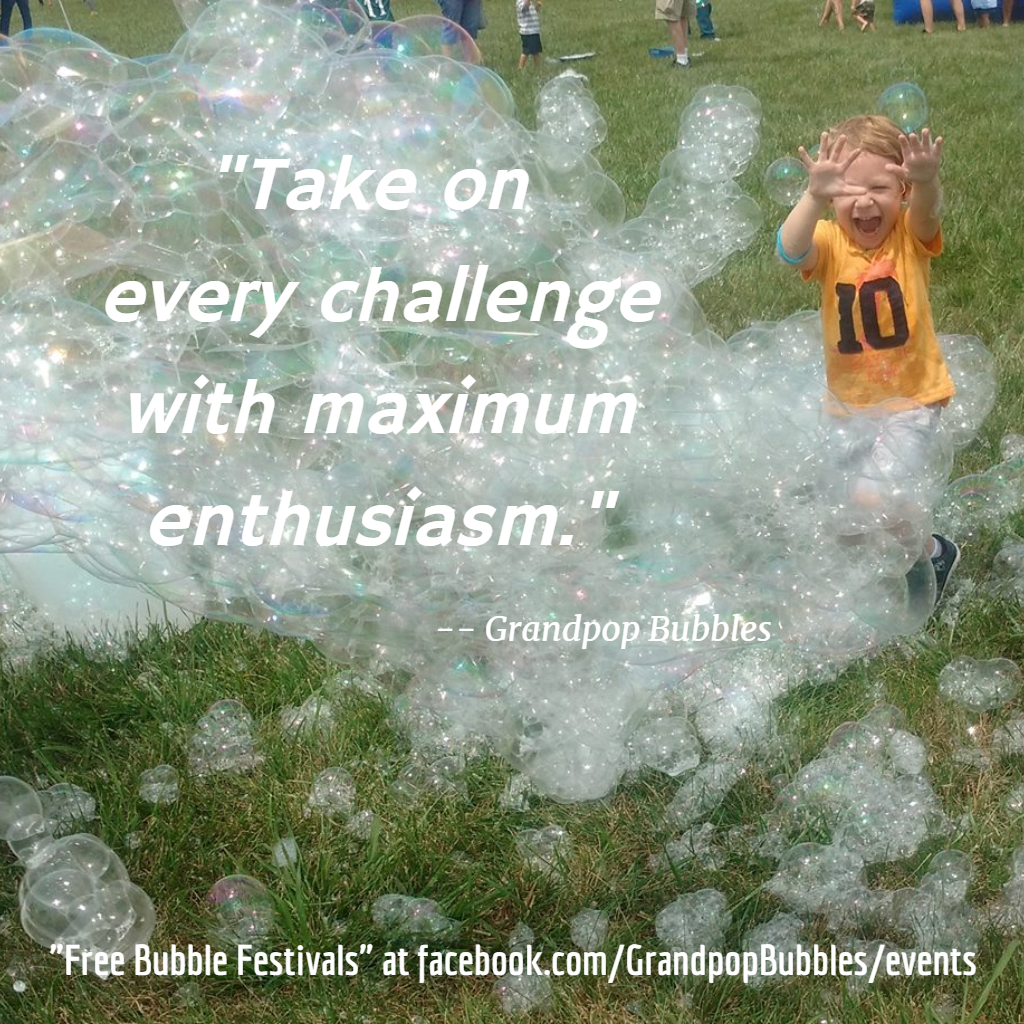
(869, 225)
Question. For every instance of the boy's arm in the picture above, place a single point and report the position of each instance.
(796, 236)
(920, 170)
(825, 181)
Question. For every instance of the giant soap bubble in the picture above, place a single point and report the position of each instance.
(906, 105)
(785, 180)
(734, 547)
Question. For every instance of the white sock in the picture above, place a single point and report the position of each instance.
(680, 57)
(936, 548)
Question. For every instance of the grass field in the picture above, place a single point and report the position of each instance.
(87, 719)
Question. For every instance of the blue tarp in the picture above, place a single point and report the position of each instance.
(910, 10)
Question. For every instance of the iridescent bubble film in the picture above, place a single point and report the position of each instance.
(243, 910)
(785, 180)
(906, 105)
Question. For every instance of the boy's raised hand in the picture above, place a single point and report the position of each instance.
(921, 158)
(827, 174)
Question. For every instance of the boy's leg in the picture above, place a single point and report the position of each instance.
(982, 19)
(958, 13)
(927, 15)
(1007, 12)
(522, 61)
(909, 449)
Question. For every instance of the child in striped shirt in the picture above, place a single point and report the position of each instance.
(528, 16)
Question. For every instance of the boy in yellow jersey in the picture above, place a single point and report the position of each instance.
(873, 264)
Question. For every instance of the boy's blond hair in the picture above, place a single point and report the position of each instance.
(873, 134)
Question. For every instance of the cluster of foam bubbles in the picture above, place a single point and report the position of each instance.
(67, 807)
(75, 890)
(159, 785)
(545, 850)
(437, 776)
(694, 920)
(730, 500)
(981, 685)
(830, 882)
(700, 844)
(412, 917)
(869, 789)
(589, 928)
(982, 502)
(785, 933)
(1008, 570)
(223, 740)
(523, 992)
(333, 794)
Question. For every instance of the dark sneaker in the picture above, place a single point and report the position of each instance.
(944, 563)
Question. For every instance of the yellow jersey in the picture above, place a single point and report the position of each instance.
(876, 318)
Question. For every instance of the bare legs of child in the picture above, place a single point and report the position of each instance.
(832, 7)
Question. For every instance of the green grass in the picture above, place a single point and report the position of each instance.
(81, 717)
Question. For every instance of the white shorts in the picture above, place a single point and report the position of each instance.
(883, 457)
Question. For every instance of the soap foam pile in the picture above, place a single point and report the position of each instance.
(731, 503)
(75, 889)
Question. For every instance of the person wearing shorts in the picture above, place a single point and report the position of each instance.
(675, 14)
(465, 13)
(864, 12)
(983, 11)
(888, 449)
(528, 19)
(883, 359)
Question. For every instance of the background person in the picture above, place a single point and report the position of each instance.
(928, 15)
(675, 14)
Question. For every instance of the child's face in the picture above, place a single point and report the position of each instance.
(870, 216)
